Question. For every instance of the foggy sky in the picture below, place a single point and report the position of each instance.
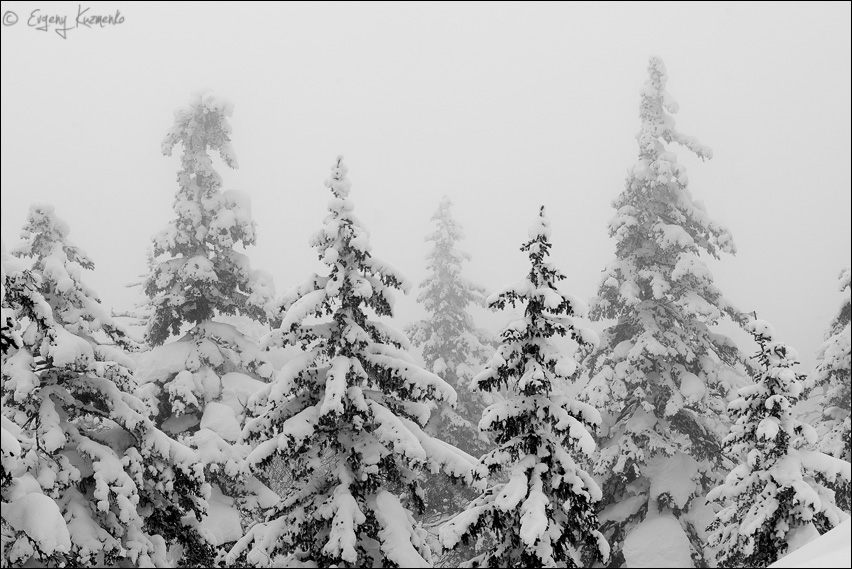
(503, 107)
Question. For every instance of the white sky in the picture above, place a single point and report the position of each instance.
(503, 107)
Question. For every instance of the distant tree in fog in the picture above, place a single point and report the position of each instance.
(453, 347)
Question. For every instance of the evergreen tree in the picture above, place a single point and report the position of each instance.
(661, 375)
(453, 347)
(87, 479)
(347, 415)
(198, 384)
(833, 373)
(774, 490)
(544, 516)
(9, 336)
(203, 275)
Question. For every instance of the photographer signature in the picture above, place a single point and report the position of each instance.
(44, 21)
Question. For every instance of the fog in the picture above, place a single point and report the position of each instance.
(501, 106)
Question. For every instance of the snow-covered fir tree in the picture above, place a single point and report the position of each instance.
(347, 415)
(661, 375)
(87, 479)
(544, 515)
(453, 347)
(834, 375)
(202, 274)
(9, 337)
(198, 384)
(773, 493)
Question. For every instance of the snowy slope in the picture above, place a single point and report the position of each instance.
(833, 549)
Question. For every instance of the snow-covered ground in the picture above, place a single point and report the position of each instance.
(833, 549)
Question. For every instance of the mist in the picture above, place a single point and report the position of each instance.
(502, 107)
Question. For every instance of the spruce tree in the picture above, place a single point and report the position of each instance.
(9, 335)
(775, 489)
(544, 516)
(87, 479)
(833, 374)
(347, 414)
(197, 385)
(661, 374)
(453, 347)
(203, 275)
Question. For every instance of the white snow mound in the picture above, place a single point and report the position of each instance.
(657, 542)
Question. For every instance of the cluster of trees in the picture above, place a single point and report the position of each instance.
(546, 446)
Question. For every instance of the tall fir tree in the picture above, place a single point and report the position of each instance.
(87, 479)
(544, 516)
(198, 384)
(775, 491)
(347, 415)
(203, 275)
(453, 347)
(661, 375)
(834, 375)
